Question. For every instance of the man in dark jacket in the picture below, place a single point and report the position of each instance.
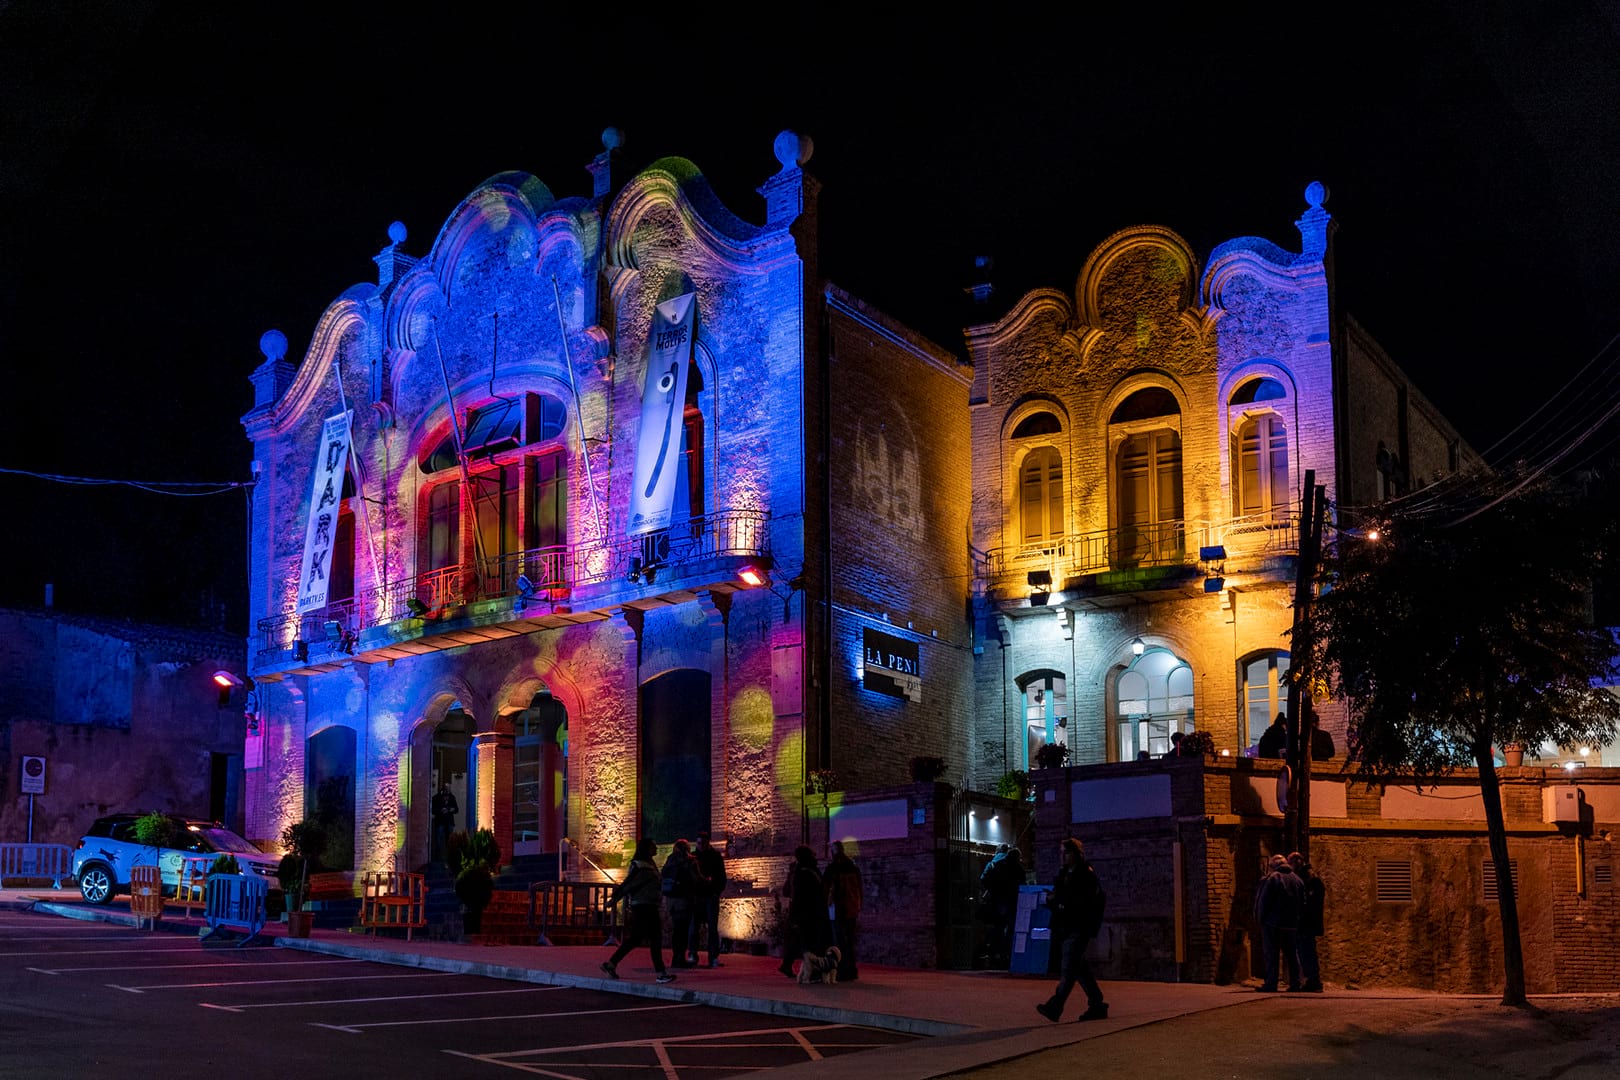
(685, 886)
(1278, 904)
(1310, 923)
(1001, 878)
(712, 868)
(843, 884)
(1076, 903)
(641, 888)
(1274, 740)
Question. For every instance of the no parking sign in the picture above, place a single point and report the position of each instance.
(33, 775)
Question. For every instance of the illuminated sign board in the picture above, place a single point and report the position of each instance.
(890, 665)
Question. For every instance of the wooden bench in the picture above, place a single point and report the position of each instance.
(390, 900)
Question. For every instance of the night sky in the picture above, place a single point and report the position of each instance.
(175, 180)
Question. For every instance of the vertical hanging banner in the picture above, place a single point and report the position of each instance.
(663, 419)
(326, 493)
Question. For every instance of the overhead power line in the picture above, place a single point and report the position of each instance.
(185, 488)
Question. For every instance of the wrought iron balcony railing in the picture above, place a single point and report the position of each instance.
(1168, 543)
(552, 573)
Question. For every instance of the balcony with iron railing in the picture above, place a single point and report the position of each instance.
(542, 586)
(1167, 545)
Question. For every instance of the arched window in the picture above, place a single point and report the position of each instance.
(1147, 506)
(1040, 486)
(1153, 698)
(1261, 485)
(1260, 481)
(1046, 712)
(1264, 689)
(516, 499)
(1041, 423)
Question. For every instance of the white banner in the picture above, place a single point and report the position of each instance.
(663, 419)
(326, 493)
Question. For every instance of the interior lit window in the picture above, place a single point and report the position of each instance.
(1046, 712)
(1153, 698)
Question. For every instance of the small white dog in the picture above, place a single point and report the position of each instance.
(822, 969)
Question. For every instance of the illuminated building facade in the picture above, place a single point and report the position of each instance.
(604, 511)
(1140, 446)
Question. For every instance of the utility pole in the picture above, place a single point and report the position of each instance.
(1301, 717)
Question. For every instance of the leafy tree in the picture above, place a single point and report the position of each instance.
(1461, 628)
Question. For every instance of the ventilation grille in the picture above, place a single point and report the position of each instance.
(1492, 893)
(1394, 882)
(1602, 874)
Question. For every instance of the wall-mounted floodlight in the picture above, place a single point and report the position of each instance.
(416, 607)
(226, 679)
(752, 575)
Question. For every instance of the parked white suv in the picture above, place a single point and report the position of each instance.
(105, 855)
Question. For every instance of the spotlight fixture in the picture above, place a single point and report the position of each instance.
(1039, 577)
(301, 651)
(416, 607)
(1040, 587)
(1214, 584)
(334, 631)
(633, 575)
(1138, 646)
(525, 592)
(752, 575)
(1039, 599)
(226, 679)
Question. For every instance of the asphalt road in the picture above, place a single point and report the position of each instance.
(99, 1000)
(1284, 1037)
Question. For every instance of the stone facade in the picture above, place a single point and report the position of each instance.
(1410, 898)
(627, 683)
(127, 716)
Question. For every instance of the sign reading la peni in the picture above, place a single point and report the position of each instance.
(890, 665)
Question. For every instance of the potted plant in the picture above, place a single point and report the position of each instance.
(304, 841)
(475, 877)
(822, 781)
(926, 770)
(1051, 755)
(1198, 744)
(1013, 785)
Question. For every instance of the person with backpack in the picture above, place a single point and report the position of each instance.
(1077, 901)
(683, 885)
(641, 888)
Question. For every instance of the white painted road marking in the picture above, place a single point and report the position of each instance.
(363, 1000)
(272, 982)
(355, 1029)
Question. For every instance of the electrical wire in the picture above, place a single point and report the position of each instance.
(157, 487)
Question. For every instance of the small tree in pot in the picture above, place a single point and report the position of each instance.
(304, 842)
(475, 876)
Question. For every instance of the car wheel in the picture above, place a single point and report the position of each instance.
(96, 884)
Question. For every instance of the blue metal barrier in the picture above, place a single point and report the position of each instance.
(52, 861)
(236, 902)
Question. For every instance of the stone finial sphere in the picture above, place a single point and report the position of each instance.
(273, 343)
(612, 138)
(1316, 193)
(396, 233)
(793, 150)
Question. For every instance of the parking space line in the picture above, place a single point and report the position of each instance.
(355, 1029)
(366, 1000)
(718, 1040)
(187, 945)
(262, 964)
(276, 982)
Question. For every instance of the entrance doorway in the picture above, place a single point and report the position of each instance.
(451, 757)
(329, 793)
(675, 769)
(539, 776)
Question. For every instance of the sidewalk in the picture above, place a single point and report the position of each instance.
(972, 1018)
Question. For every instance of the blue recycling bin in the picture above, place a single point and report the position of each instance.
(1032, 932)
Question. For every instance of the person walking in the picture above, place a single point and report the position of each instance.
(1077, 902)
(1277, 906)
(1310, 924)
(843, 884)
(445, 808)
(684, 886)
(808, 929)
(712, 867)
(641, 887)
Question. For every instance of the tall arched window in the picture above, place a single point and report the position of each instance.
(1261, 486)
(1040, 483)
(1153, 698)
(1148, 526)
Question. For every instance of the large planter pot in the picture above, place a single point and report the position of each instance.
(1513, 754)
(299, 923)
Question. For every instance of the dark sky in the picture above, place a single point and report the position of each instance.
(176, 179)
